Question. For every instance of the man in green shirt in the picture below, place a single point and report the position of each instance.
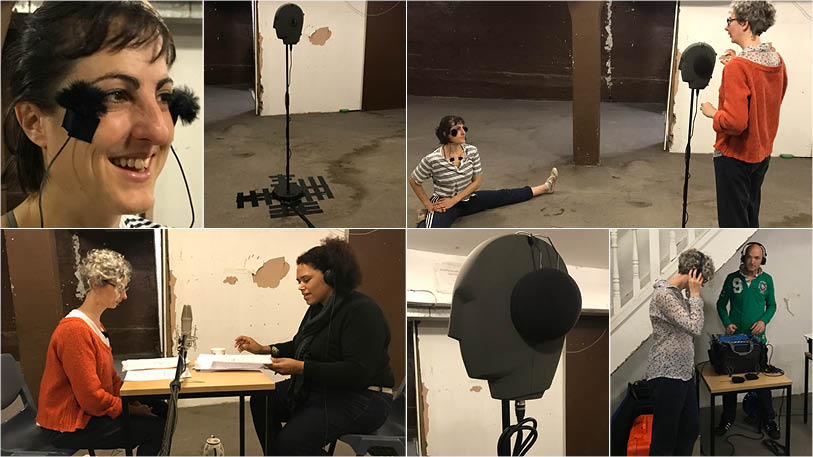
(750, 292)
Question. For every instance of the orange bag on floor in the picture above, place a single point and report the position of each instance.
(640, 435)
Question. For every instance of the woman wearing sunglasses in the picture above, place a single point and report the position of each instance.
(457, 175)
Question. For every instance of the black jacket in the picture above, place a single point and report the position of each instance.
(355, 357)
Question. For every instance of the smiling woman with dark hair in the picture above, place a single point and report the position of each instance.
(456, 175)
(124, 50)
(341, 380)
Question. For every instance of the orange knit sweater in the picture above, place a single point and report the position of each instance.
(747, 117)
(79, 380)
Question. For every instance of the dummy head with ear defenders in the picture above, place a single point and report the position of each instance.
(513, 304)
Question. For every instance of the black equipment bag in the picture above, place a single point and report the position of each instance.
(737, 354)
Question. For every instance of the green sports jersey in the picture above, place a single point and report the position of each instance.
(749, 302)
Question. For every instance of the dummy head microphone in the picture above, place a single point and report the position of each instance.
(551, 318)
(288, 23)
(184, 104)
(697, 65)
(84, 106)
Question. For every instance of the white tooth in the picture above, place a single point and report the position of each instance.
(130, 163)
(122, 162)
(147, 162)
(139, 164)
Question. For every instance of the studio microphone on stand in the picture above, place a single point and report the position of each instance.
(186, 339)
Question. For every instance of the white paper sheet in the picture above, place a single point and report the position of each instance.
(148, 364)
(230, 362)
(154, 375)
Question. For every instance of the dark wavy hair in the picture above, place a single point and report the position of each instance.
(336, 255)
(445, 126)
(46, 49)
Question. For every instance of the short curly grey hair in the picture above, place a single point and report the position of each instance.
(692, 259)
(104, 265)
(760, 15)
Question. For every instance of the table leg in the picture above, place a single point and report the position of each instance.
(242, 425)
(787, 423)
(125, 419)
(807, 375)
(711, 424)
(267, 422)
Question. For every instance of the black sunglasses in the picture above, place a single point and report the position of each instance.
(453, 132)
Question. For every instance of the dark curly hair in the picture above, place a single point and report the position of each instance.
(336, 255)
(47, 48)
(445, 126)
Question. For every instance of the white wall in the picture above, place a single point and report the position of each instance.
(171, 202)
(200, 261)
(324, 78)
(791, 36)
(463, 418)
(433, 272)
(789, 254)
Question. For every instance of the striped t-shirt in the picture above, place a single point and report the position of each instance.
(448, 180)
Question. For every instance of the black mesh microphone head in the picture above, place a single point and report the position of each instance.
(84, 106)
(184, 104)
(545, 304)
(697, 65)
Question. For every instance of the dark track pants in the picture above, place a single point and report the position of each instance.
(479, 201)
(739, 191)
(317, 421)
(676, 419)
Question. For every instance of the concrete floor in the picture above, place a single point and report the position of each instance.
(800, 434)
(636, 185)
(360, 155)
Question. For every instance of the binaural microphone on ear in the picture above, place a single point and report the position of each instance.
(184, 104)
(84, 106)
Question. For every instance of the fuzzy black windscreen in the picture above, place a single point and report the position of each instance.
(184, 104)
(84, 105)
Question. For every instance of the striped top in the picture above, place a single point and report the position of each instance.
(448, 180)
(129, 221)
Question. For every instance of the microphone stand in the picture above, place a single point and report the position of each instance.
(521, 447)
(695, 93)
(291, 196)
(174, 390)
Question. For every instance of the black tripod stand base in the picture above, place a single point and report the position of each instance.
(290, 193)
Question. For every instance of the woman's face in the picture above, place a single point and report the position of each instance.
(460, 130)
(112, 294)
(312, 284)
(734, 28)
(116, 173)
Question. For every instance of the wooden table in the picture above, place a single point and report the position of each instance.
(718, 384)
(202, 384)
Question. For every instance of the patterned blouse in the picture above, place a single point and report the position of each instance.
(763, 54)
(675, 321)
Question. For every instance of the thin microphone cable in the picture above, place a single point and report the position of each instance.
(45, 176)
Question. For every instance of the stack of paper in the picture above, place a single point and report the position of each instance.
(154, 375)
(242, 362)
(148, 364)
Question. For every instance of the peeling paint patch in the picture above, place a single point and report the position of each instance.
(787, 303)
(230, 280)
(425, 413)
(80, 286)
(608, 44)
(271, 272)
(476, 389)
(260, 89)
(320, 36)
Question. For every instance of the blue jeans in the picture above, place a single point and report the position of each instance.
(479, 201)
(318, 420)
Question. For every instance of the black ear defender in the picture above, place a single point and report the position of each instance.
(737, 379)
(329, 278)
(747, 246)
(184, 104)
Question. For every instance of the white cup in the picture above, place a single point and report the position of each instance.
(218, 351)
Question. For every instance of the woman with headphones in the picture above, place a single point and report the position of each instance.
(457, 175)
(341, 381)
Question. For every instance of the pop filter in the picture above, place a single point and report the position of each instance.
(697, 65)
(288, 23)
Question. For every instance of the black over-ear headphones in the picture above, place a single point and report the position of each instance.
(702, 261)
(747, 246)
(329, 277)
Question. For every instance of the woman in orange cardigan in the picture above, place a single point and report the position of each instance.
(79, 401)
(746, 122)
